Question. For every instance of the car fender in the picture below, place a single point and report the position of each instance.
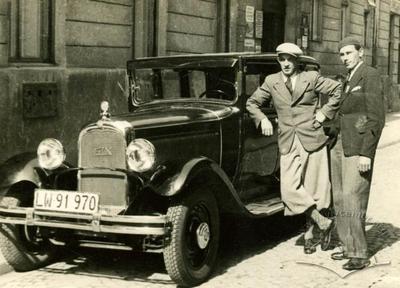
(194, 172)
(18, 169)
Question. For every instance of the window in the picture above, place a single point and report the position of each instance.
(30, 30)
(344, 19)
(167, 83)
(369, 24)
(316, 25)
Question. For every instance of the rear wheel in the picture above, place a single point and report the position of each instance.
(22, 246)
(191, 254)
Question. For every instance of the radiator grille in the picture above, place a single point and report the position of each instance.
(102, 150)
(102, 147)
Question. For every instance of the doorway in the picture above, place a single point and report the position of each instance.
(273, 24)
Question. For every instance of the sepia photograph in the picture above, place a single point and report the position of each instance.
(199, 143)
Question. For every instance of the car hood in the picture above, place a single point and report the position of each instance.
(170, 114)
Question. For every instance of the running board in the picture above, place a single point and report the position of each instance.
(265, 206)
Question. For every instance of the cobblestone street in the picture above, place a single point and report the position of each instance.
(263, 253)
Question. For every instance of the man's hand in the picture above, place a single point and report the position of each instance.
(364, 164)
(266, 127)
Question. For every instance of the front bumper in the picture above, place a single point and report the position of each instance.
(100, 223)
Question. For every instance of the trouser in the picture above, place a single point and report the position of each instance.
(304, 179)
(350, 191)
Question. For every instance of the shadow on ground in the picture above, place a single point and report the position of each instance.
(245, 238)
(121, 265)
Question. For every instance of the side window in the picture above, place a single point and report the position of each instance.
(170, 84)
(144, 80)
(221, 84)
(30, 30)
(255, 77)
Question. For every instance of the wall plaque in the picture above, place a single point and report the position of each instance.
(39, 99)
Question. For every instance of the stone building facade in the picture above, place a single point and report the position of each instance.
(60, 58)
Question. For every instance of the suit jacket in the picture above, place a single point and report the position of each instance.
(296, 112)
(361, 115)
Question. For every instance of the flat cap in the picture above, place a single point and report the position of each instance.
(349, 40)
(289, 48)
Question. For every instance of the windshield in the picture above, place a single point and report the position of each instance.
(188, 83)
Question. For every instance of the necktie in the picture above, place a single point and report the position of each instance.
(288, 84)
(346, 82)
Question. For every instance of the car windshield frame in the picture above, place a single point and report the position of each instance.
(212, 69)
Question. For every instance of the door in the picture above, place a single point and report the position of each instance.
(273, 24)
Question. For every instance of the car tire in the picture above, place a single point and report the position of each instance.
(21, 253)
(191, 253)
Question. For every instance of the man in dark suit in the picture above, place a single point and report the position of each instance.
(305, 185)
(359, 121)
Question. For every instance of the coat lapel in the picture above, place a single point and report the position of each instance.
(301, 85)
(280, 87)
(353, 81)
(356, 77)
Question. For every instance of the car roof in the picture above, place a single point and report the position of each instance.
(209, 60)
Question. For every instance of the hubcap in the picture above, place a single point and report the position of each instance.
(203, 235)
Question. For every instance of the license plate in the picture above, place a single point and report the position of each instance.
(66, 201)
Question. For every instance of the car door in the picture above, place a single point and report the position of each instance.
(260, 155)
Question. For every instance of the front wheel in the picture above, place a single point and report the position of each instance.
(22, 246)
(191, 253)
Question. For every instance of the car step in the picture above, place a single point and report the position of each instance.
(265, 205)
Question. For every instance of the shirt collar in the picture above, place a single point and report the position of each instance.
(293, 78)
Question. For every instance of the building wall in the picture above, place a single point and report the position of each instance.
(325, 49)
(191, 27)
(98, 33)
(3, 32)
(93, 40)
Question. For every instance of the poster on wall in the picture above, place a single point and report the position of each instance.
(259, 24)
(250, 21)
(249, 45)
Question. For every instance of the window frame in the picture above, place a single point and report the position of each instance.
(45, 31)
(344, 18)
(316, 20)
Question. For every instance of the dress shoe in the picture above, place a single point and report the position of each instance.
(310, 246)
(339, 256)
(356, 264)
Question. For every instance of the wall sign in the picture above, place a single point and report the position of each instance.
(259, 24)
(39, 99)
(250, 21)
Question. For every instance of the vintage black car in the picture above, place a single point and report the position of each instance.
(159, 178)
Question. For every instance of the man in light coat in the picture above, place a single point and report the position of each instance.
(305, 185)
(360, 121)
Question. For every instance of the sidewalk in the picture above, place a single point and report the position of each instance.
(4, 267)
(391, 132)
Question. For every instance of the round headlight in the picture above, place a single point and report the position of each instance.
(50, 154)
(141, 155)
